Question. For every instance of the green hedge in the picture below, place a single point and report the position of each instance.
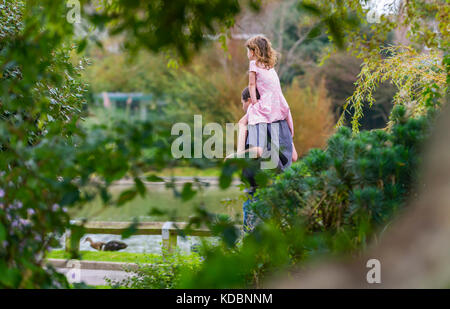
(362, 178)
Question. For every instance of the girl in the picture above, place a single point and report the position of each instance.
(272, 106)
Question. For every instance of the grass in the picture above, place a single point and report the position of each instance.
(187, 171)
(124, 257)
(215, 200)
(110, 256)
(107, 256)
(91, 287)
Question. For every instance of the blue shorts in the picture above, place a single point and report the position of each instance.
(275, 139)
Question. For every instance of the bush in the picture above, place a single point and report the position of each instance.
(163, 274)
(48, 162)
(362, 178)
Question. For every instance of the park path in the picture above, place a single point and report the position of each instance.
(92, 272)
(96, 277)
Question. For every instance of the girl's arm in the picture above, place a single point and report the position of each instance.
(290, 123)
(252, 86)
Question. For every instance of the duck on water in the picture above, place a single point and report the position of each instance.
(112, 245)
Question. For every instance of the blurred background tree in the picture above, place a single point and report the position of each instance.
(312, 114)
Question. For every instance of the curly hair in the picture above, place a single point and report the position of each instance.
(263, 50)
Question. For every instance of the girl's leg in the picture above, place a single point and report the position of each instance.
(242, 135)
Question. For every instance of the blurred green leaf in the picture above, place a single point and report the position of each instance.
(154, 178)
(131, 229)
(187, 193)
(126, 196)
(140, 186)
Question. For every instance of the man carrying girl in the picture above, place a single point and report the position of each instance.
(268, 120)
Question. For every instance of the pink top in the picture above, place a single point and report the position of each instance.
(272, 105)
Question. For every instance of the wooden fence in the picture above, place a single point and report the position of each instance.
(168, 230)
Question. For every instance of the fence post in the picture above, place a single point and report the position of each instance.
(68, 245)
(169, 237)
(67, 240)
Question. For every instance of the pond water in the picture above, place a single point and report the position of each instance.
(140, 243)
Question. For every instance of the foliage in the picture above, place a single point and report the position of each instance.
(186, 91)
(47, 159)
(312, 115)
(424, 24)
(340, 72)
(241, 266)
(40, 104)
(357, 179)
(215, 199)
(176, 26)
(418, 77)
(163, 274)
(118, 72)
(195, 92)
(294, 36)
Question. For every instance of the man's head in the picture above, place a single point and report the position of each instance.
(245, 98)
